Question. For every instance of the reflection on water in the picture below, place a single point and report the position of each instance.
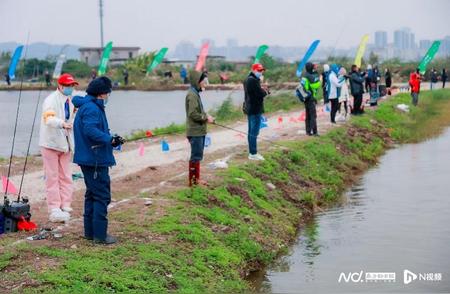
(395, 218)
(126, 111)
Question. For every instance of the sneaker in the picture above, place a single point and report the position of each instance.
(67, 209)
(59, 216)
(108, 240)
(256, 157)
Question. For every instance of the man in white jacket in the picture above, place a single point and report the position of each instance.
(56, 142)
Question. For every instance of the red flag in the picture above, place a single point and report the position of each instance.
(202, 57)
(302, 116)
(141, 149)
(148, 133)
(11, 188)
(280, 120)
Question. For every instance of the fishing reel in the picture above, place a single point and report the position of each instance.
(15, 215)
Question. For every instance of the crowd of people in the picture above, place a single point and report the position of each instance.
(78, 126)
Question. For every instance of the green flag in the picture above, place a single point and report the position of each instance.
(105, 57)
(261, 50)
(429, 56)
(157, 59)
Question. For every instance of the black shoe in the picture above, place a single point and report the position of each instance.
(88, 238)
(107, 241)
(316, 135)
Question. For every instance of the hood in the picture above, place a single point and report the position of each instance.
(80, 100)
(194, 78)
(335, 68)
(309, 67)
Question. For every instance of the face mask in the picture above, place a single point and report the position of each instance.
(258, 74)
(105, 101)
(67, 91)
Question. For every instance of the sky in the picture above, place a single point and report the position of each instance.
(154, 24)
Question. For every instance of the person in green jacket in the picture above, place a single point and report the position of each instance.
(311, 83)
(196, 121)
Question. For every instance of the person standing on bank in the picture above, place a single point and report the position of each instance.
(388, 80)
(444, 77)
(336, 82)
(433, 78)
(94, 154)
(56, 142)
(311, 83)
(414, 83)
(357, 89)
(254, 108)
(196, 124)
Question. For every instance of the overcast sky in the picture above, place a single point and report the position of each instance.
(153, 24)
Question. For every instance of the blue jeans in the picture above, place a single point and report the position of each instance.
(254, 124)
(197, 147)
(96, 200)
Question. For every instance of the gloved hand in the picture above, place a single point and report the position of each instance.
(117, 141)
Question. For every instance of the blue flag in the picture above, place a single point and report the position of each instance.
(165, 146)
(305, 58)
(207, 140)
(263, 122)
(14, 61)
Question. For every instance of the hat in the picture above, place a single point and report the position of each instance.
(67, 80)
(99, 86)
(258, 67)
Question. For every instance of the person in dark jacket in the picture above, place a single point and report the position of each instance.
(325, 83)
(254, 107)
(433, 79)
(7, 79)
(196, 124)
(357, 89)
(311, 83)
(444, 77)
(388, 80)
(94, 154)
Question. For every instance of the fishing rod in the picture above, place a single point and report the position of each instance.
(17, 119)
(31, 134)
(247, 134)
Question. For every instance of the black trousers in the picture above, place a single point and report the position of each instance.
(311, 117)
(334, 109)
(357, 102)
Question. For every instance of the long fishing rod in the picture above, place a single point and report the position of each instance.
(31, 134)
(17, 118)
(247, 134)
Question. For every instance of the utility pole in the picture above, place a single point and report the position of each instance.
(100, 2)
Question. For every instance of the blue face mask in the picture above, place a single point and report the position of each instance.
(258, 74)
(67, 91)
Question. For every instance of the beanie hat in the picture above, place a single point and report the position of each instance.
(99, 86)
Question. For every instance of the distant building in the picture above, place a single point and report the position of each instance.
(380, 39)
(180, 62)
(404, 39)
(92, 55)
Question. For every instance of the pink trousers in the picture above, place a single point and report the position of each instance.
(58, 178)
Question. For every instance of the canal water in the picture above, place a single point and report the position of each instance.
(396, 219)
(127, 111)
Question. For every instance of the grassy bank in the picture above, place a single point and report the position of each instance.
(206, 240)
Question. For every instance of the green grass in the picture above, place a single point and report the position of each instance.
(209, 238)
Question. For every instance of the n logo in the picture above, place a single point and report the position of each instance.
(408, 276)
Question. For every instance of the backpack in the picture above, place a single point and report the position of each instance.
(302, 94)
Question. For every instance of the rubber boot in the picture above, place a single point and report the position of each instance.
(192, 172)
(197, 172)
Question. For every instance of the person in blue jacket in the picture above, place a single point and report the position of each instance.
(94, 154)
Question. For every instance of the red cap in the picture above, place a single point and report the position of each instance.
(67, 80)
(258, 67)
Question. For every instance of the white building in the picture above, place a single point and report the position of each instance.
(92, 55)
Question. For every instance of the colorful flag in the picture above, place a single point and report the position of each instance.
(14, 61)
(361, 50)
(261, 50)
(202, 57)
(59, 65)
(429, 56)
(157, 59)
(141, 149)
(8, 186)
(307, 56)
(105, 58)
(165, 146)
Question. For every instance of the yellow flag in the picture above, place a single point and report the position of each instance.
(361, 49)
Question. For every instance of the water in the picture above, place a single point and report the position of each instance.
(126, 111)
(396, 217)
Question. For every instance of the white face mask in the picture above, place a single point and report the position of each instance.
(258, 74)
(105, 101)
